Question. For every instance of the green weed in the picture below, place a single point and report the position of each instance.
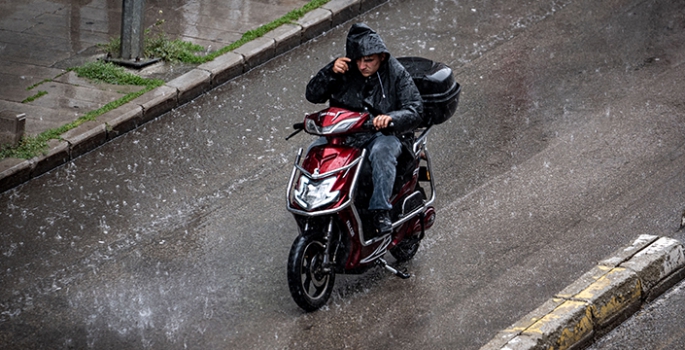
(106, 72)
(38, 84)
(34, 97)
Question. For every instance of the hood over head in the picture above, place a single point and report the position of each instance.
(363, 41)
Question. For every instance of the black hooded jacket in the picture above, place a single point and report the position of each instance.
(390, 91)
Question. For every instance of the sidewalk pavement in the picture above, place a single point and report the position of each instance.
(41, 39)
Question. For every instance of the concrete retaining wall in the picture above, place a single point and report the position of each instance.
(600, 299)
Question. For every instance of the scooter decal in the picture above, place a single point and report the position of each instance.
(349, 227)
(380, 250)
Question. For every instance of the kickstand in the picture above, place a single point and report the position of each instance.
(396, 272)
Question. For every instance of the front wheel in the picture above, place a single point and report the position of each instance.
(310, 284)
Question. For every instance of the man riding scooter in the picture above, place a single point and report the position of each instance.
(369, 79)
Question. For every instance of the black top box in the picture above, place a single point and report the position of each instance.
(438, 88)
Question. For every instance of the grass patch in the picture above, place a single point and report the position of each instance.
(34, 97)
(106, 72)
(160, 46)
(173, 50)
(31, 146)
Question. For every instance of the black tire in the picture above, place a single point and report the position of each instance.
(309, 285)
(406, 249)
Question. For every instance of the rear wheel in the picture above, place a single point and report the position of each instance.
(310, 285)
(406, 249)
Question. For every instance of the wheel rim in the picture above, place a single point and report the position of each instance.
(314, 279)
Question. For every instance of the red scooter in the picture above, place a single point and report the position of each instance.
(329, 191)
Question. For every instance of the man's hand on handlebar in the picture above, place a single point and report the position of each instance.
(382, 121)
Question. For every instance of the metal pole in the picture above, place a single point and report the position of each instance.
(132, 20)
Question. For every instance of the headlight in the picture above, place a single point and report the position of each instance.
(312, 194)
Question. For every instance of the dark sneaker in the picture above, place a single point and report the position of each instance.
(382, 222)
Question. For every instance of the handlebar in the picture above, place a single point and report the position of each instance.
(298, 128)
(368, 125)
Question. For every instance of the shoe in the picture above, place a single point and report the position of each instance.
(382, 222)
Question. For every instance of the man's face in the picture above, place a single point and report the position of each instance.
(368, 65)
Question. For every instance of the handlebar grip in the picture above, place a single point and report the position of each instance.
(369, 125)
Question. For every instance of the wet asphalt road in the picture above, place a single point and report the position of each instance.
(568, 144)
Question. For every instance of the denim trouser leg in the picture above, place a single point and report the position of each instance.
(383, 153)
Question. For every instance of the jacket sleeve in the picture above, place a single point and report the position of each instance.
(408, 116)
(322, 85)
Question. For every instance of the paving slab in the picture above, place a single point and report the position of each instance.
(8, 91)
(40, 119)
(28, 72)
(80, 99)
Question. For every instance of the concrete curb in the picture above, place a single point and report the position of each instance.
(181, 90)
(600, 299)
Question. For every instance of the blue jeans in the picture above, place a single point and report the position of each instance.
(383, 153)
